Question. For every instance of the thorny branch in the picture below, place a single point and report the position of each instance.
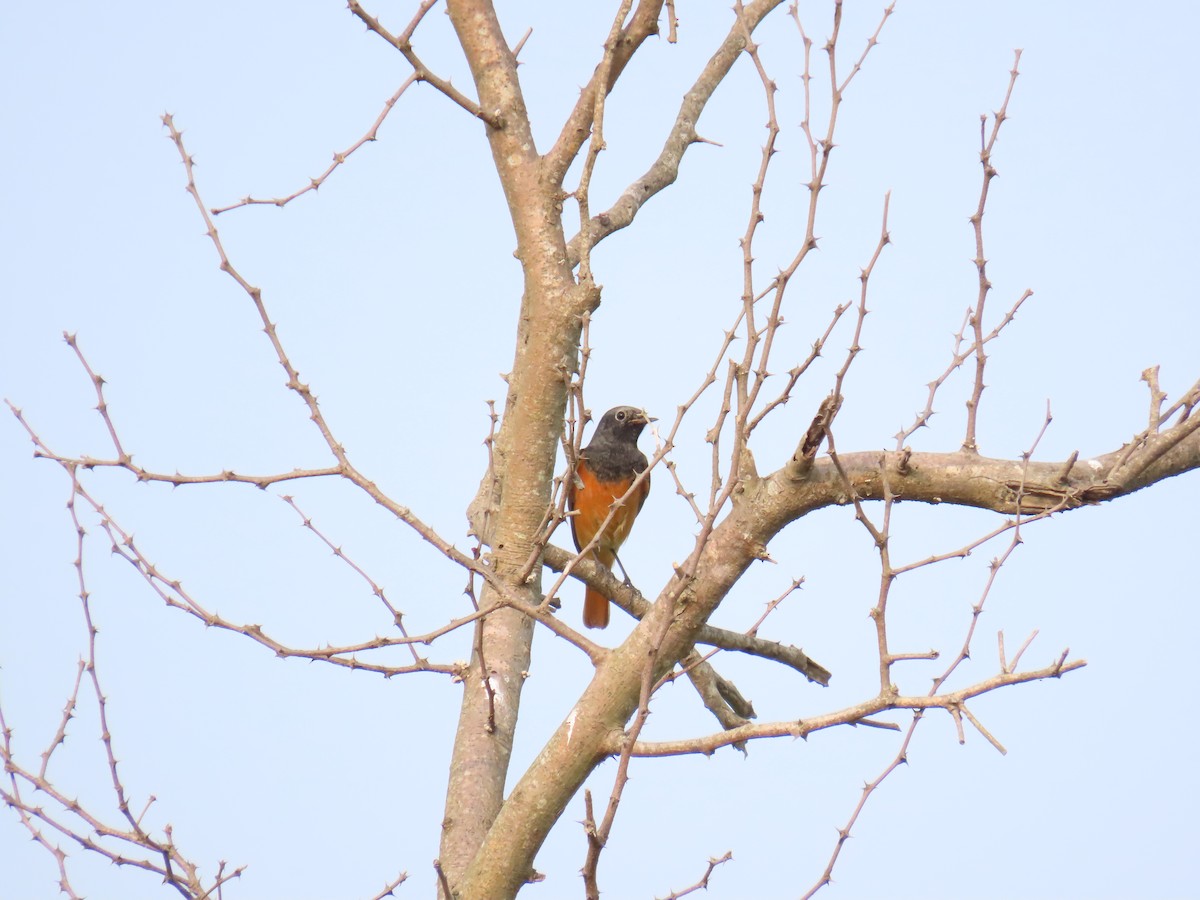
(587, 115)
(601, 83)
(372, 133)
(598, 837)
(665, 169)
(403, 43)
(702, 884)
(344, 467)
(338, 158)
(1032, 495)
(976, 315)
(389, 889)
(170, 590)
(854, 715)
(759, 342)
(958, 357)
(630, 600)
(128, 844)
(953, 703)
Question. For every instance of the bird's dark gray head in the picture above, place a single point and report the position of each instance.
(622, 423)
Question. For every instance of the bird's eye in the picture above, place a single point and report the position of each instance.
(621, 416)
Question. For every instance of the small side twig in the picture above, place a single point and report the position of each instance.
(976, 318)
(389, 889)
(339, 159)
(403, 43)
(702, 884)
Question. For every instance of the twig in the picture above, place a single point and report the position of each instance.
(702, 884)
(672, 23)
(403, 43)
(958, 357)
(857, 714)
(989, 172)
(979, 727)
(443, 882)
(630, 600)
(397, 616)
(648, 688)
(1021, 652)
(389, 889)
(888, 574)
(84, 827)
(796, 371)
(338, 159)
(619, 49)
(344, 466)
(665, 169)
(68, 713)
(603, 76)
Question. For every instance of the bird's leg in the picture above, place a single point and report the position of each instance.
(624, 574)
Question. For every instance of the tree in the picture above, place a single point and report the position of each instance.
(781, 383)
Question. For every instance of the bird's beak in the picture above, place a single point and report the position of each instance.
(647, 418)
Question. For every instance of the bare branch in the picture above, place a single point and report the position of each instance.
(403, 43)
(338, 159)
(630, 600)
(976, 316)
(851, 715)
(958, 357)
(623, 41)
(349, 472)
(702, 884)
(665, 169)
(625, 754)
(979, 727)
(397, 616)
(604, 76)
(68, 713)
(128, 844)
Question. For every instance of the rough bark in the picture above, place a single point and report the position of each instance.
(547, 338)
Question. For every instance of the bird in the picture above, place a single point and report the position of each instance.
(606, 469)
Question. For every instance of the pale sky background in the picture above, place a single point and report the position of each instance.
(395, 291)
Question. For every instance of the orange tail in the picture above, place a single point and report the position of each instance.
(595, 609)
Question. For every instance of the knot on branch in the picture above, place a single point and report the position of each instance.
(806, 452)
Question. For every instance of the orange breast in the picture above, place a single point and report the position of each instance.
(591, 499)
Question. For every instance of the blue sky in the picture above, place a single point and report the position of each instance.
(395, 292)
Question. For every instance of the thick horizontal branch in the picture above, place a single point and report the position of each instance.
(967, 479)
